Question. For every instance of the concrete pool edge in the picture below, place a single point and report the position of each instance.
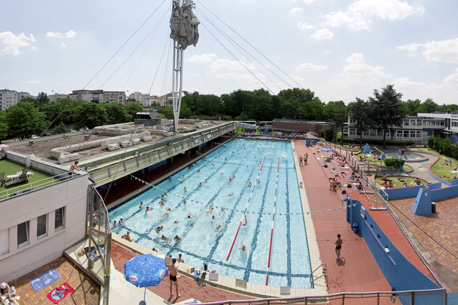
(314, 252)
(226, 283)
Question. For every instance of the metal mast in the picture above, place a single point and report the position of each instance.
(183, 25)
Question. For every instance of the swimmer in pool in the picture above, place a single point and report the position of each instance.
(243, 248)
(140, 205)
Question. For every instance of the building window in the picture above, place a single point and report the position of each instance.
(23, 234)
(59, 218)
(41, 226)
(4, 242)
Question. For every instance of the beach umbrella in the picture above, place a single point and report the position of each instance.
(326, 149)
(145, 270)
(4, 146)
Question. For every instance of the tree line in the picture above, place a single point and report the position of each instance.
(382, 110)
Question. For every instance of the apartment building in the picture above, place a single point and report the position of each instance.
(9, 98)
(99, 96)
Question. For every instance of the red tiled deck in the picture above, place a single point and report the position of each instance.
(358, 271)
(87, 292)
(187, 287)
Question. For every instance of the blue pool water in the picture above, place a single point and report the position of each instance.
(201, 242)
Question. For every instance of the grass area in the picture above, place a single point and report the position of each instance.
(11, 168)
(396, 182)
(373, 161)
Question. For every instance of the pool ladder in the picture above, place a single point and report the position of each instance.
(324, 275)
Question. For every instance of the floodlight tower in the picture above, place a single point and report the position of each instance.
(183, 25)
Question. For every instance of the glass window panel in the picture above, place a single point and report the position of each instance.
(41, 225)
(23, 233)
(4, 242)
(59, 218)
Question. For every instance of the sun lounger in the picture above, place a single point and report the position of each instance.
(22, 178)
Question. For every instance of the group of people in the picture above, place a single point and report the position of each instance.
(303, 160)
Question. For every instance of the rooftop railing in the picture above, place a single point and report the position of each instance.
(32, 186)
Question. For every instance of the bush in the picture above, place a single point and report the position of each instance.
(393, 162)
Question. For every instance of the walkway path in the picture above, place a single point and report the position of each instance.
(358, 270)
(383, 219)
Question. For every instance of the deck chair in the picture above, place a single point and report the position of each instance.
(2, 178)
(201, 281)
(21, 179)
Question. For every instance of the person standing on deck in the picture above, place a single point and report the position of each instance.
(173, 276)
(338, 243)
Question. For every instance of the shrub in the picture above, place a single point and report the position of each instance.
(393, 162)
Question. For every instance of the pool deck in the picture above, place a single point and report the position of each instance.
(336, 221)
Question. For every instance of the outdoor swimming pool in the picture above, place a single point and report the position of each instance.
(270, 163)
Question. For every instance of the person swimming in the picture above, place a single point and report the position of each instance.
(140, 205)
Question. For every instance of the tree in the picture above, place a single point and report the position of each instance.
(359, 112)
(133, 108)
(428, 106)
(387, 109)
(24, 120)
(337, 113)
(61, 128)
(411, 107)
(116, 113)
(42, 99)
(89, 115)
(60, 111)
(3, 126)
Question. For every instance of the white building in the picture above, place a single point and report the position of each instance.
(38, 225)
(99, 96)
(56, 96)
(9, 98)
(142, 98)
(416, 129)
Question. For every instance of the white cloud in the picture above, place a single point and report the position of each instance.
(203, 58)
(357, 76)
(309, 67)
(231, 65)
(304, 26)
(32, 82)
(308, 1)
(295, 11)
(69, 34)
(359, 14)
(322, 34)
(63, 45)
(13, 42)
(439, 51)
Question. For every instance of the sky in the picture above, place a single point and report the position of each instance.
(339, 49)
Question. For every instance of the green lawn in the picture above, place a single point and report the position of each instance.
(10, 168)
(396, 182)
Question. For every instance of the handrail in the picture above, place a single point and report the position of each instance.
(24, 188)
(327, 297)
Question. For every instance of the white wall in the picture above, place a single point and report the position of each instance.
(72, 195)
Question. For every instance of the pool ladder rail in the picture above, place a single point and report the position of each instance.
(324, 275)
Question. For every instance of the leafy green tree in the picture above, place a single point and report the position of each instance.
(428, 106)
(42, 99)
(90, 115)
(24, 120)
(360, 113)
(117, 113)
(411, 107)
(133, 108)
(3, 126)
(447, 108)
(387, 109)
(60, 111)
(61, 128)
(337, 113)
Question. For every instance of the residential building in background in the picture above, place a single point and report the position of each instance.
(99, 96)
(9, 98)
(142, 98)
(56, 96)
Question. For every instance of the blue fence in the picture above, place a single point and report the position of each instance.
(398, 271)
